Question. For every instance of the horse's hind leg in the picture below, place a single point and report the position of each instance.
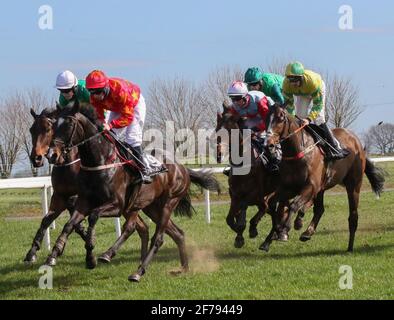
(178, 236)
(318, 210)
(253, 233)
(163, 216)
(353, 193)
(57, 206)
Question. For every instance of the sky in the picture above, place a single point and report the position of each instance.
(145, 40)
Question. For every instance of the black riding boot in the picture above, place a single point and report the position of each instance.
(143, 165)
(336, 153)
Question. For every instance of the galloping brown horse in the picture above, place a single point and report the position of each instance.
(252, 189)
(305, 175)
(64, 179)
(107, 185)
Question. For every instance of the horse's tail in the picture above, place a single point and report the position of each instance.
(376, 177)
(184, 207)
(204, 179)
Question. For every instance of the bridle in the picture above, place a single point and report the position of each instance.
(68, 146)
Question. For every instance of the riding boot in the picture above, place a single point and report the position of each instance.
(333, 149)
(143, 165)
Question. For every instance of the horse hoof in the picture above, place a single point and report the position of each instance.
(51, 262)
(105, 258)
(30, 259)
(253, 233)
(298, 224)
(305, 237)
(265, 247)
(275, 236)
(284, 237)
(91, 263)
(134, 277)
(239, 243)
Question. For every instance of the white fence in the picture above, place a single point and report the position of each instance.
(45, 184)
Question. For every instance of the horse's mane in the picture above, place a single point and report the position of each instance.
(89, 112)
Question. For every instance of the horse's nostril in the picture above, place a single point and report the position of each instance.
(38, 158)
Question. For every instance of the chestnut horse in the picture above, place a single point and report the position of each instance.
(107, 184)
(251, 189)
(64, 179)
(306, 175)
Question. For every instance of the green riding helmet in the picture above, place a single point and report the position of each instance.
(295, 69)
(253, 75)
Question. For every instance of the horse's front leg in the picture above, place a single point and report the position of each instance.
(58, 248)
(56, 207)
(303, 201)
(236, 222)
(253, 233)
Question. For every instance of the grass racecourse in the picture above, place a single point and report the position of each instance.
(292, 270)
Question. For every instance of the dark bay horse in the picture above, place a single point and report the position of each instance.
(108, 185)
(64, 179)
(305, 175)
(254, 188)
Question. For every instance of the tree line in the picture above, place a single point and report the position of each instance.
(188, 105)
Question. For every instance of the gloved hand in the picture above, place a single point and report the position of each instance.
(104, 127)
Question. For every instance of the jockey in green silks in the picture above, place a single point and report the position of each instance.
(268, 83)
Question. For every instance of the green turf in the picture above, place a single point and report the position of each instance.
(292, 270)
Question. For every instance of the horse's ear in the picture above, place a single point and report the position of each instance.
(226, 106)
(33, 113)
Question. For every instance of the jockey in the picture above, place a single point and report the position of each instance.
(127, 111)
(310, 90)
(268, 83)
(254, 106)
(71, 88)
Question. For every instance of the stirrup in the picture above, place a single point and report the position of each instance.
(146, 179)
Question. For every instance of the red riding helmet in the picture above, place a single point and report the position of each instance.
(96, 80)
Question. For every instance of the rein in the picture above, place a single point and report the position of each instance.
(300, 154)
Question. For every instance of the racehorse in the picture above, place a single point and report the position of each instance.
(108, 185)
(305, 175)
(64, 181)
(251, 189)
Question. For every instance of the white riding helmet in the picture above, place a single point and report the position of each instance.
(237, 88)
(66, 80)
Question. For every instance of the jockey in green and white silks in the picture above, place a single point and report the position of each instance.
(268, 83)
(305, 96)
(71, 88)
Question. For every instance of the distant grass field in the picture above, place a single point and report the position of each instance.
(292, 270)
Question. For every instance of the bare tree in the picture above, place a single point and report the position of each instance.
(382, 138)
(278, 65)
(177, 108)
(216, 87)
(10, 137)
(342, 104)
(16, 106)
